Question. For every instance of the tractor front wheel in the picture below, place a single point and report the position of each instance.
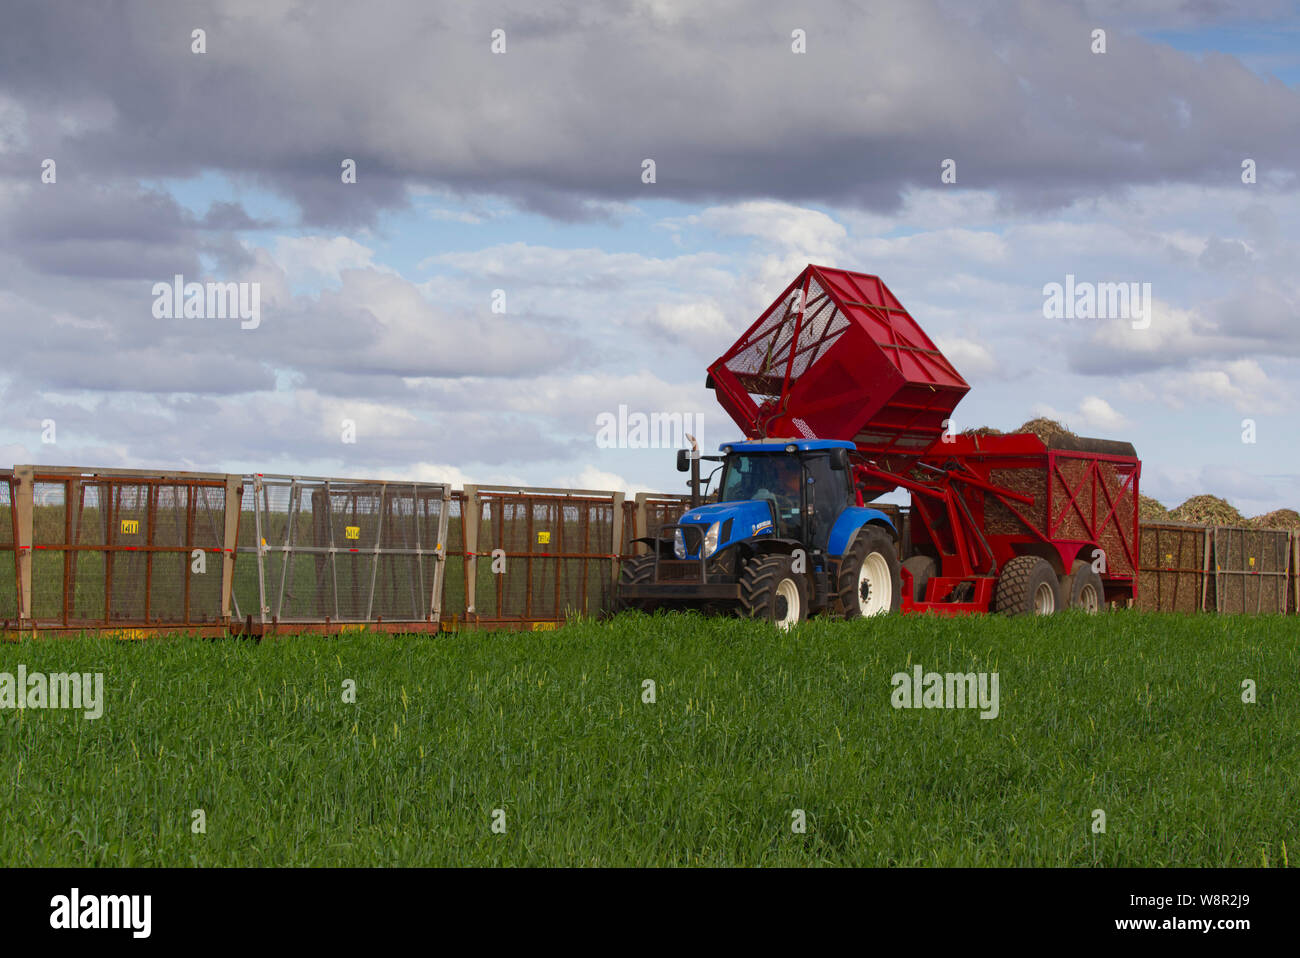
(638, 571)
(770, 590)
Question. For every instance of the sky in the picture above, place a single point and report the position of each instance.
(500, 277)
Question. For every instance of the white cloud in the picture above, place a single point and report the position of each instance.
(968, 357)
(700, 321)
(781, 225)
(591, 478)
(1093, 413)
(321, 257)
(1241, 383)
(1099, 414)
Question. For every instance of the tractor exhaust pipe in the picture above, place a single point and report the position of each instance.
(694, 459)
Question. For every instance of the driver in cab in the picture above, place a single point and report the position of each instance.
(783, 487)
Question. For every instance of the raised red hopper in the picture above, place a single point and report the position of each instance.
(851, 364)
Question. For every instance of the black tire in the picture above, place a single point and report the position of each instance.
(1082, 589)
(923, 569)
(858, 593)
(1027, 585)
(638, 571)
(770, 590)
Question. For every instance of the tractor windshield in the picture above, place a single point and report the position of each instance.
(774, 477)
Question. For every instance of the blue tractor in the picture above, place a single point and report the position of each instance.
(785, 539)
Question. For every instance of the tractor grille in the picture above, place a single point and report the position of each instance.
(679, 570)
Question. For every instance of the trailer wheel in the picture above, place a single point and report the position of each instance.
(638, 571)
(1027, 586)
(922, 568)
(770, 590)
(1082, 589)
(869, 582)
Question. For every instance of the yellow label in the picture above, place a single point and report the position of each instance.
(130, 527)
(352, 532)
(1252, 562)
(126, 633)
(543, 538)
(1169, 557)
(545, 626)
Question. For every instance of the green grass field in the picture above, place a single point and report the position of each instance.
(1138, 715)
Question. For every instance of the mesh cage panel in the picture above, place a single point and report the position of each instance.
(118, 550)
(760, 366)
(49, 513)
(454, 580)
(823, 323)
(7, 517)
(342, 550)
(558, 555)
(8, 557)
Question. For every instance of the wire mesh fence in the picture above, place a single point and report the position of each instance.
(540, 555)
(8, 548)
(340, 550)
(1174, 568)
(1251, 569)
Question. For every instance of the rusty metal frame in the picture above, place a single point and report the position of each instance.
(73, 482)
(1247, 575)
(476, 497)
(1165, 578)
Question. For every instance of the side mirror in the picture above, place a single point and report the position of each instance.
(839, 459)
(683, 460)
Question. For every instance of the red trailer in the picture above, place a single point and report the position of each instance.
(836, 356)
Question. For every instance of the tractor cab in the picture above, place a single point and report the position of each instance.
(806, 484)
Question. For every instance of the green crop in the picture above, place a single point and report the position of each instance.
(1137, 715)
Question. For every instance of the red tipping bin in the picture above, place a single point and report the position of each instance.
(837, 356)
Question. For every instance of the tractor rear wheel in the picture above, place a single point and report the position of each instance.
(1028, 585)
(638, 571)
(1082, 589)
(770, 590)
(869, 581)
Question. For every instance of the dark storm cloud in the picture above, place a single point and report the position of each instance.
(412, 92)
(115, 230)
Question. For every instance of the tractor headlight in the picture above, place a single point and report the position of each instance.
(710, 541)
(679, 544)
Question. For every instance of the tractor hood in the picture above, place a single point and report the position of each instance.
(736, 521)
